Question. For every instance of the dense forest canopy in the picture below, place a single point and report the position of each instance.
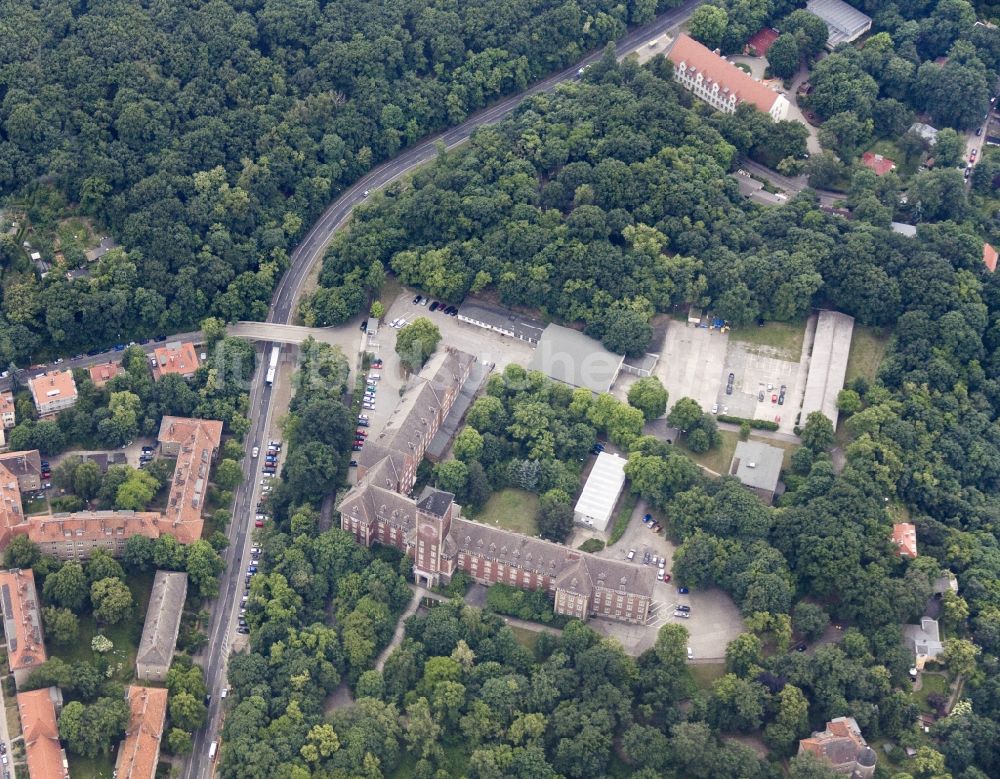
(613, 194)
(207, 136)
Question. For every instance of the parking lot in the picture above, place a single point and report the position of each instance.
(486, 346)
(759, 376)
(713, 620)
(692, 363)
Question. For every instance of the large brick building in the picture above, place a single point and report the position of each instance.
(194, 442)
(432, 530)
(418, 416)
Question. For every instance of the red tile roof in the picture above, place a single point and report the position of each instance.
(140, 751)
(103, 373)
(718, 70)
(881, 165)
(762, 40)
(904, 536)
(179, 358)
(194, 441)
(989, 257)
(45, 756)
(22, 619)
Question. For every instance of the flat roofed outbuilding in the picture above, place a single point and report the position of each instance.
(597, 502)
(575, 359)
(501, 320)
(758, 467)
(844, 22)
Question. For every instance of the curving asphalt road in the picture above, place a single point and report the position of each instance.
(222, 622)
(310, 250)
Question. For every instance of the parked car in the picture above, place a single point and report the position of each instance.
(690, 653)
(243, 630)
(683, 590)
(682, 614)
(715, 408)
(435, 306)
(666, 577)
(356, 448)
(417, 299)
(354, 463)
(630, 555)
(659, 575)
(259, 523)
(684, 608)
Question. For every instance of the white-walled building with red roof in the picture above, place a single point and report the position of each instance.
(712, 78)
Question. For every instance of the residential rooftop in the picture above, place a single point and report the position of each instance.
(175, 357)
(44, 754)
(139, 752)
(51, 387)
(102, 373)
(163, 619)
(22, 620)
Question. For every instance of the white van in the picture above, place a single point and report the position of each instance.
(213, 749)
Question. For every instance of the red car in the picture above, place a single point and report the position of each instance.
(972, 157)
(361, 433)
(666, 577)
(774, 398)
(259, 523)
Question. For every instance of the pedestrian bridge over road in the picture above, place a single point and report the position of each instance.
(293, 334)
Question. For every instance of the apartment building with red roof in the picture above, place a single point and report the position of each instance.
(44, 754)
(22, 622)
(718, 82)
(53, 392)
(842, 747)
(139, 752)
(75, 536)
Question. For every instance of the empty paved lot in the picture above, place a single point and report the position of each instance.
(692, 362)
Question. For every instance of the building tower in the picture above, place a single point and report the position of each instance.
(432, 558)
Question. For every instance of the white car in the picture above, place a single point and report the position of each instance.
(690, 653)
(255, 451)
(630, 555)
(715, 408)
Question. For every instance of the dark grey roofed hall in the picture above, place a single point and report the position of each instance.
(163, 621)
(576, 359)
(758, 467)
(501, 320)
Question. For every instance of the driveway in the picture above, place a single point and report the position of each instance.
(795, 112)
